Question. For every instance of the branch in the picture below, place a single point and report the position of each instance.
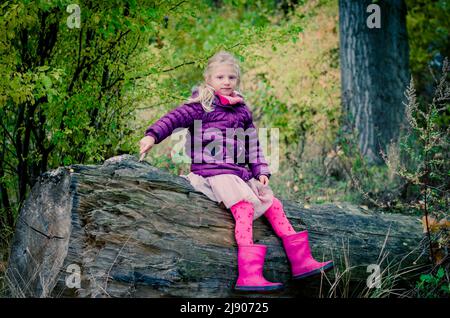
(8, 134)
(80, 65)
(111, 46)
(12, 169)
(80, 46)
(177, 5)
(47, 40)
(163, 71)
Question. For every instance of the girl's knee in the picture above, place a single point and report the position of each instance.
(277, 203)
(275, 209)
(242, 210)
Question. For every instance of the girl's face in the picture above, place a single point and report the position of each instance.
(223, 79)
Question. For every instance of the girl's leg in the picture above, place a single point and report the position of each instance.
(243, 216)
(250, 256)
(277, 218)
(295, 244)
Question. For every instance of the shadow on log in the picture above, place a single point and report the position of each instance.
(127, 229)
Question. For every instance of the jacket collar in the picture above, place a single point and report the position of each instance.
(221, 100)
(233, 99)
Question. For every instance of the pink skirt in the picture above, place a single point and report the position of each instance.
(230, 189)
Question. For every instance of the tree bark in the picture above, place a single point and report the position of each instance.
(374, 72)
(136, 231)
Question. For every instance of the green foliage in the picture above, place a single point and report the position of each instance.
(190, 41)
(433, 285)
(425, 146)
(428, 29)
(66, 94)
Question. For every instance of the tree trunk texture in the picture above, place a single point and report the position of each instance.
(128, 229)
(374, 72)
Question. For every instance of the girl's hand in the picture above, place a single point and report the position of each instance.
(145, 144)
(264, 179)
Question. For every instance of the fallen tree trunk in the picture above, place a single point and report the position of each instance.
(127, 229)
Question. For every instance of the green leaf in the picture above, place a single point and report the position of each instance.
(446, 288)
(43, 68)
(47, 81)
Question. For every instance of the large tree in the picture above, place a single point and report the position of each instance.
(374, 56)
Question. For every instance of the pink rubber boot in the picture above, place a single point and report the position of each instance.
(299, 254)
(250, 268)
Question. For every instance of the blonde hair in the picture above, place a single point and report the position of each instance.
(206, 92)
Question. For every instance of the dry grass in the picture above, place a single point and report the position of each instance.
(391, 275)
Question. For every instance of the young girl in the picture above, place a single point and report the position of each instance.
(214, 109)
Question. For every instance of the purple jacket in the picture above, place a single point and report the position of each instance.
(212, 151)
